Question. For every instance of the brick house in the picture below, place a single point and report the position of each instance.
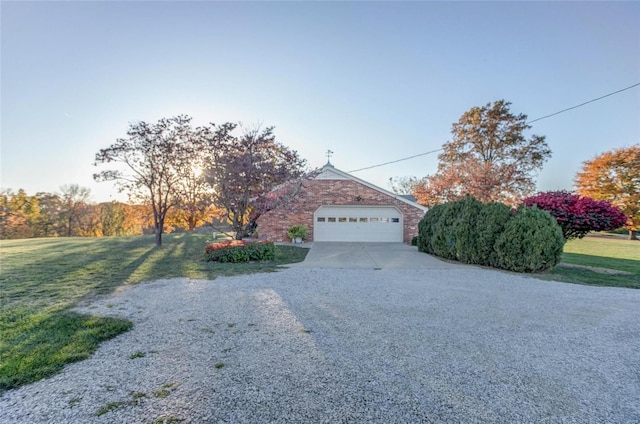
(337, 206)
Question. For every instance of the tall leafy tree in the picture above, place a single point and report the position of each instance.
(74, 205)
(19, 213)
(489, 158)
(252, 174)
(50, 222)
(615, 176)
(149, 163)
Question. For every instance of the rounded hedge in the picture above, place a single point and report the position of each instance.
(531, 242)
(489, 225)
(491, 234)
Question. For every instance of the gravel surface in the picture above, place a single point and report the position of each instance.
(325, 345)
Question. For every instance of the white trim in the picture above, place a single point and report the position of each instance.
(327, 170)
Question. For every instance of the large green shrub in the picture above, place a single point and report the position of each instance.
(465, 232)
(426, 228)
(490, 224)
(532, 241)
(443, 241)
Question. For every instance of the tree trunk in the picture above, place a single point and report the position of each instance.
(159, 225)
(158, 236)
(633, 235)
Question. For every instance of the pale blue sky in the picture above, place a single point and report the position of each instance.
(371, 81)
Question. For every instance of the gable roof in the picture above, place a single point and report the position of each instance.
(330, 172)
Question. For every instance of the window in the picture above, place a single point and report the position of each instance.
(321, 219)
(373, 219)
(363, 219)
(331, 219)
(342, 219)
(384, 219)
(395, 219)
(353, 219)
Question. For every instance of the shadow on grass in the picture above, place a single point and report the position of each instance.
(619, 264)
(43, 279)
(586, 277)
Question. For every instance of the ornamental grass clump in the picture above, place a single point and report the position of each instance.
(240, 251)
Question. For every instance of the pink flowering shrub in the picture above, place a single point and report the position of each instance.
(240, 251)
(578, 215)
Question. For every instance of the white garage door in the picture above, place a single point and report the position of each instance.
(345, 223)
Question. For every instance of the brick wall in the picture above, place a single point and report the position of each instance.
(274, 224)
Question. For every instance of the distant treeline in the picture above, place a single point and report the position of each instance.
(72, 214)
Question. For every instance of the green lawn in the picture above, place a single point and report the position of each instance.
(41, 280)
(601, 252)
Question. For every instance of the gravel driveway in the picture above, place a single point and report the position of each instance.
(328, 345)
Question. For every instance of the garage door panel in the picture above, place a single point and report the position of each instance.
(374, 224)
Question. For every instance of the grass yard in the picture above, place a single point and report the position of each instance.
(602, 252)
(41, 280)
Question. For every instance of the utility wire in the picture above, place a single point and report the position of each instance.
(585, 103)
(529, 122)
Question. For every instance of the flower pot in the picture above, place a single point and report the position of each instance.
(297, 240)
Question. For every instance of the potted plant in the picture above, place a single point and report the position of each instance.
(297, 232)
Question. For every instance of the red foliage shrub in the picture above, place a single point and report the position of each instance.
(240, 251)
(578, 215)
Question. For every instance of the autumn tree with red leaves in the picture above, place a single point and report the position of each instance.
(251, 175)
(578, 215)
(615, 176)
(489, 158)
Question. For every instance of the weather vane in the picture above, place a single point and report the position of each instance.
(329, 154)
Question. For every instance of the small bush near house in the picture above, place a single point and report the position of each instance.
(531, 242)
(298, 231)
(240, 251)
(414, 241)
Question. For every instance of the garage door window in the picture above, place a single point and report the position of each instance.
(331, 219)
(321, 219)
(397, 220)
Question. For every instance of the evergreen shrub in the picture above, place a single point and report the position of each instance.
(529, 240)
(490, 224)
(443, 241)
(465, 232)
(532, 241)
(426, 228)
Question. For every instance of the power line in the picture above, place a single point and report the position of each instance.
(529, 122)
(399, 160)
(585, 103)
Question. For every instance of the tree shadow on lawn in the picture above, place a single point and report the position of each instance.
(627, 265)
